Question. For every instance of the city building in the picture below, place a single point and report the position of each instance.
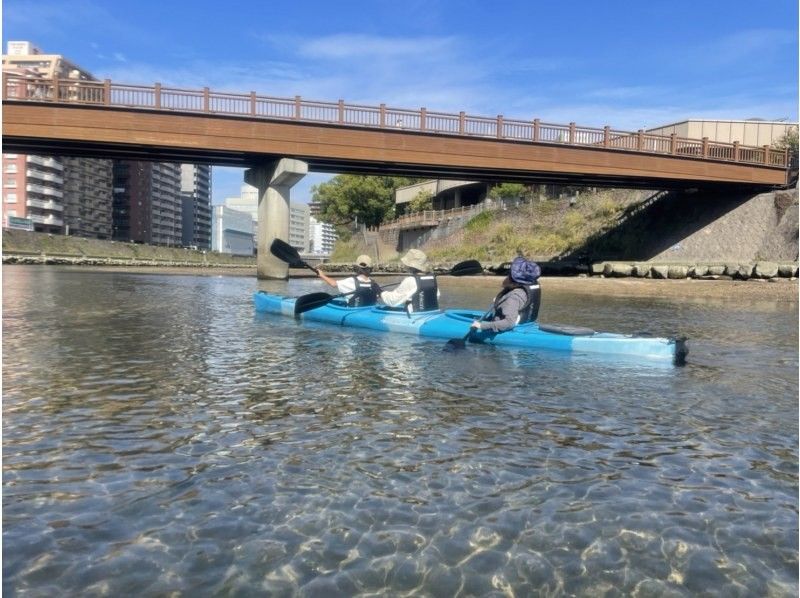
(322, 237)
(33, 193)
(87, 197)
(147, 202)
(247, 202)
(232, 231)
(299, 226)
(47, 194)
(753, 132)
(196, 206)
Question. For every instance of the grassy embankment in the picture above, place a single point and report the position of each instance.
(537, 229)
(18, 243)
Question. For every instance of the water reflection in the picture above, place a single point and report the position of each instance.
(160, 437)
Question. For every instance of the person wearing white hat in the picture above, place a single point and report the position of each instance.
(418, 292)
(359, 290)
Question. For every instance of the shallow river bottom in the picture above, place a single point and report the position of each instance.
(160, 436)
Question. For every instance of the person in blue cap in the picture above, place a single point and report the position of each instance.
(518, 301)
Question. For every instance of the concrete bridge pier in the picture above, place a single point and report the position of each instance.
(273, 181)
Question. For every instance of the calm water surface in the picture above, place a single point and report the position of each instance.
(160, 437)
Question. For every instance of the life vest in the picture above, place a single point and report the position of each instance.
(366, 293)
(426, 297)
(529, 310)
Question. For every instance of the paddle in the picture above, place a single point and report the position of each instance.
(456, 344)
(314, 300)
(286, 253)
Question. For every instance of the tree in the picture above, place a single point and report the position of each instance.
(422, 201)
(788, 141)
(348, 198)
(507, 190)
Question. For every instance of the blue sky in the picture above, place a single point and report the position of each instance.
(629, 64)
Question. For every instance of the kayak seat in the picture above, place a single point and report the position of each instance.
(567, 329)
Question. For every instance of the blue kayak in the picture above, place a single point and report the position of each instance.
(454, 323)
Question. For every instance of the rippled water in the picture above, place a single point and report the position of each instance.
(159, 436)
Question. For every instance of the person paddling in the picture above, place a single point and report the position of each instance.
(417, 292)
(518, 301)
(359, 290)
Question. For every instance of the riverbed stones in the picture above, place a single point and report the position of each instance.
(739, 271)
(787, 270)
(716, 270)
(765, 270)
(660, 272)
(697, 271)
(597, 268)
(617, 269)
(641, 270)
(677, 272)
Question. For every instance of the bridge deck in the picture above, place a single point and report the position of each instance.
(105, 120)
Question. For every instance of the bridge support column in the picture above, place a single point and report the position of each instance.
(273, 181)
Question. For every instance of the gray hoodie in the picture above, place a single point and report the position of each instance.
(509, 305)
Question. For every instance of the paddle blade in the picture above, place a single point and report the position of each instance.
(311, 301)
(467, 268)
(285, 252)
(455, 344)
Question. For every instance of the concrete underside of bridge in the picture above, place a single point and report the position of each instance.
(102, 132)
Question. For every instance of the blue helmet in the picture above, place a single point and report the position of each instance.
(524, 271)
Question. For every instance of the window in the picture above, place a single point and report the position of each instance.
(10, 183)
(12, 168)
(11, 198)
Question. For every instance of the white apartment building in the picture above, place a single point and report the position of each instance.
(232, 232)
(322, 237)
(299, 226)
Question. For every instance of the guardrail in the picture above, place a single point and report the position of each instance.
(158, 97)
(434, 217)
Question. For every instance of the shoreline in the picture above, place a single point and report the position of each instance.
(779, 290)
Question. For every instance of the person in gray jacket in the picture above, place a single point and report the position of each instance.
(518, 301)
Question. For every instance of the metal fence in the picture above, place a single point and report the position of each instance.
(251, 105)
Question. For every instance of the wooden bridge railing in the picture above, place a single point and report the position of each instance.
(157, 97)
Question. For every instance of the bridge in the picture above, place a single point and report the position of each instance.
(280, 139)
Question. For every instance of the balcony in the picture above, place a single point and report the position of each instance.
(44, 205)
(50, 220)
(47, 162)
(44, 176)
(44, 190)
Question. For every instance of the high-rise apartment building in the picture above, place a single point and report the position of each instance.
(87, 197)
(33, 193)
(196, 205)
(48, 194)
(298, 226)
(147, 202)
(322, 237)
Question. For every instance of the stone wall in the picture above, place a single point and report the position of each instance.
(712, 226)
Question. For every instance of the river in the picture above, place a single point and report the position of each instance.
(161, 437)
